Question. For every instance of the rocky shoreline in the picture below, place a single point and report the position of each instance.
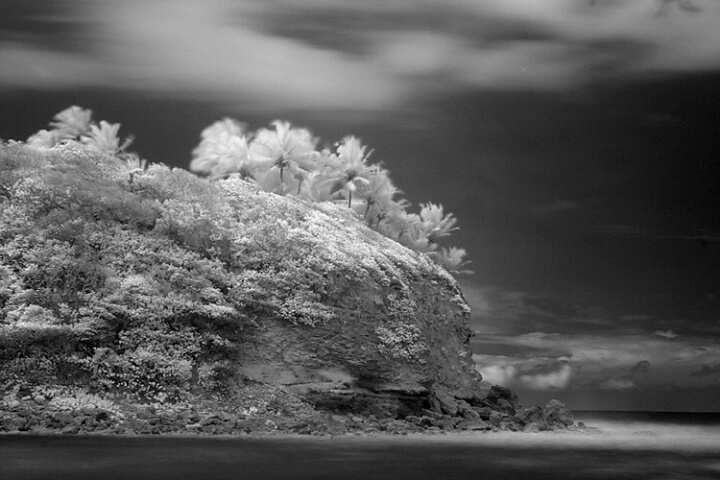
(211, 418)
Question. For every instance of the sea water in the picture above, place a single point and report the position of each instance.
(627, 446)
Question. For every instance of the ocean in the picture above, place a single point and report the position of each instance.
(629, 445)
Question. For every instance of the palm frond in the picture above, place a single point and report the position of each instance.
(435, 223)
(72, 122)
(103, 138)
(452, 260)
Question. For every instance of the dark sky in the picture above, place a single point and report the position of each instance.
(577, 144)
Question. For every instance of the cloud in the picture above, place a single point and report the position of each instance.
(669, 39)
(25, 66)
(187, 48)
(554, 380)
(617, 384)
(511, 312)
(498, 374)
(540, 360)
(363, 56)
(533, 341)
(541, 374)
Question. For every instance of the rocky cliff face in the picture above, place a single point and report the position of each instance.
(393, 322)
(408, 340)
(156, 283)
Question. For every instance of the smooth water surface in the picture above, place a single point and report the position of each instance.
(625, 450)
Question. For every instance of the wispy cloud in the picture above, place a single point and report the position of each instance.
(541, 374)
(617, 384)
(555, 379)
(341, 54)
(500, 311)
(543, 361)
(187, 48)
(537, 343)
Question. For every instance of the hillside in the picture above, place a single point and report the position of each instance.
(138, 299)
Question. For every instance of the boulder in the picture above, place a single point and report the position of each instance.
(496, 418)
(532, 419)
(502, 399)
(442, 402)
(557, 415)
(466, 411)
(62, 418)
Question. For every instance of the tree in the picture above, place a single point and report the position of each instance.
(348, 168)
(284, 157)
(103, 138)
(69, 124)
(378, 195)
(223, 151)
(284, 149)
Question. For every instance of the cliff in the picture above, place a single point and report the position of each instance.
(152, 287)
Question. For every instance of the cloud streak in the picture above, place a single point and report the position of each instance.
(338, 54)
(543, 361)
(545, 348)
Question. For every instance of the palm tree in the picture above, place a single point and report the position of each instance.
(348, 168)
(72, 122)
(418, 232)
(223, 151)
(103, 138)
(69, 124)
(378, 194)
(399, 225)
(284, 148)
(323, 176)
(452, 260)
(435, 224)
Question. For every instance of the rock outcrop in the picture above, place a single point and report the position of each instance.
(407, 339)
(167, 289)
(202, 285)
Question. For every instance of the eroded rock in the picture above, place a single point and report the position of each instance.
(558, 415)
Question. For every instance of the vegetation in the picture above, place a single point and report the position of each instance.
(138, 279)
(285, 160)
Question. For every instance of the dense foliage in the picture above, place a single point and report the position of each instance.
(285, 160)
(139, 279)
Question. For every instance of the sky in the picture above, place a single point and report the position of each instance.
(576, 141)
